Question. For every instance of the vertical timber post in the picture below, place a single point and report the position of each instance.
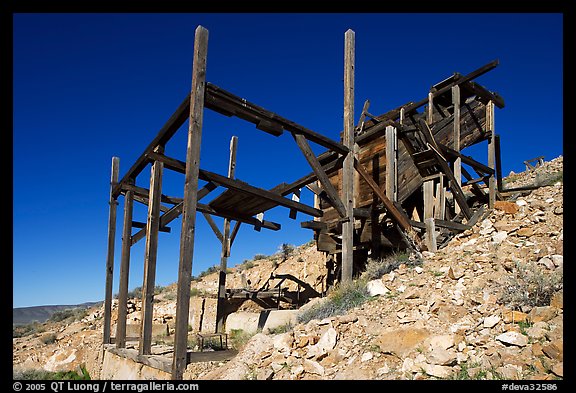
(150, 254)
(431, 234)
(498, 163)
(190, 202)
(110, 256)
(456, 138)
(225, 247)
(348, 166)
(491, 153)
(428, 186)
(124, 268)
(391, 164)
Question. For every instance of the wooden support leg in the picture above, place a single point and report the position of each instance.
(491, 153)
(225, 248)
(124, 269)
(190, 202)
(456, 138)
(430, 234)
(348, 166)
(391, 164)
(150, 254)
(110, 255)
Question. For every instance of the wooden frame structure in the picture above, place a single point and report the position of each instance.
(338, 176)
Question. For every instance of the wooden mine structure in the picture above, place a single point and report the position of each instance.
(393, 181)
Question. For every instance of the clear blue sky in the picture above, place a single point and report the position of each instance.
(88, 87)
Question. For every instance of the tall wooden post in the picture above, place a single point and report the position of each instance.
(124, 268)
(150, 254)
(110, 255)
(348, 166)
(428, 186)
(456, 138)
(430, 112)
(491, 153)
(190, 201)
(391, 163)
(225, 246)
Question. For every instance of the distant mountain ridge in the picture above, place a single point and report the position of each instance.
(25, 315)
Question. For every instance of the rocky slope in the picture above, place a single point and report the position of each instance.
(489, 305)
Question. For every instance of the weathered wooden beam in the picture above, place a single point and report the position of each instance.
(214, 227)
(110, 254)
(478, 166)
(498, 158)
(456, 138)
(166, 132)
(476, 189)
(348, 166)
(138, 224)
(440, 203)
(190, 201)
(320, 174)
(124, 269)
(226, 245)
(174, 212)
(150, 256)
(144, 192)
(473, 75)
(453, 225)
(315, 225)
(430, 234)
(485, 94)
(491, 153)
(456, 189)
(233, 234)
(395, 214)
(218, 98)
(238, 185)
(454, 186)
(391, 163)
(145, 200)
(238, 217)
(428, 192)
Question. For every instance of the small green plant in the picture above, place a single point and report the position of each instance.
(195, 292)
(258, 257)
(280, 329)
(247, 264)
(43, 375)
(524, 326)
(343, 297)
(238, 338)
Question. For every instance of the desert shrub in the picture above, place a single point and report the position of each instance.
(49, 338)
(376, 268)
(343, 297)
(528, 285)
(26, 330)
(286, 250)
(43, 375)
(281, 329)
(246, 265)
(258, 257)
(69, 315)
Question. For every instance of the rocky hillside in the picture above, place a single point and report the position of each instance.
(489, 305)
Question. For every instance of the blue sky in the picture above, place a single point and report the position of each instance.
(88, 87)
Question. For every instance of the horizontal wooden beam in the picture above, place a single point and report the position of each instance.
(237, 185)
(478, 166)
(166, 132)
(238, 217)
(473, 75)
(144, 200)
(316, 225)
(221, 100)
(443, 224)
(485, 94)
(146, 192)
(173, 213)
(138, 224)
